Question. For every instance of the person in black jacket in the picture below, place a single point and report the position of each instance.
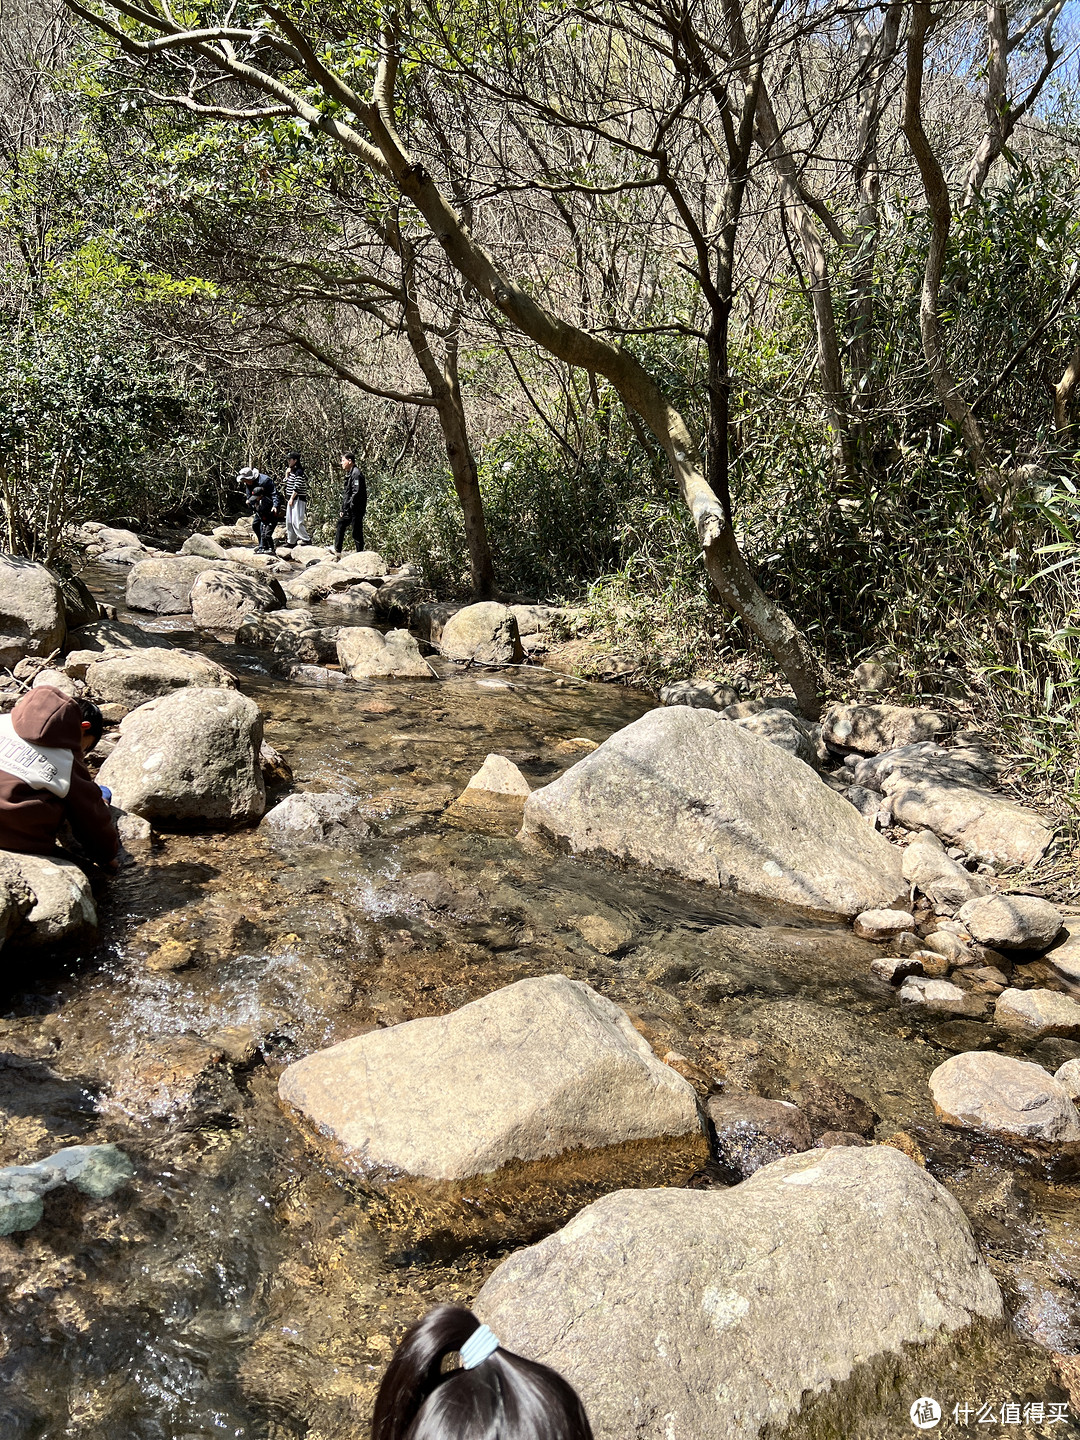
(266, 505)
(353, 504)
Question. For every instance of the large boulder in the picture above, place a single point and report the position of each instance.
(203, 546)
(686, 791)
(368, 654)
(537, 1069)
(263, 630)
(80, 607)
(222, 599)
(483, 634)
(1014, 1099)
(368, 564)
(947, 791)
(695, 1313)
(63, 904)
(1011, 922)
(32, 618)
(311, 818)
(941, 879)
(132, 677)
(162, 584)
(870, 729)
(192, 755)
(1037, 1012)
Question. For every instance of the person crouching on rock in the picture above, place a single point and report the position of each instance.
(44, 779)
(492, 1393)
(264, 501)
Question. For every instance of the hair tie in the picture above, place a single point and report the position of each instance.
(480, 1344)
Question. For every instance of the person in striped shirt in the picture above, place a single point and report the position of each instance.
(296, 495)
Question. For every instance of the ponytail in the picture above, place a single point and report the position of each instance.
(501, 1397)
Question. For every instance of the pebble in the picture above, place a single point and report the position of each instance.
(896, 968)
(94, 1170)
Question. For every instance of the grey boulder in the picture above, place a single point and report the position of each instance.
(699, 1313)
(700, 694)
(32, 616)
(1011, 922)
(310, 818)
(482, 634)
(941, 879)
(752, 1132)
(871, 729)
(1035, 1013)
(115, 635)
(204, 547)
(368, 654)
(685, 791)
(318, 580)
(368, 564)
(63, 903)
(132, 677)
(221, 599)
(1014, 1099)
(191, 755)
(781, 727)
(537, 1069)
(263, 630)
(162, 584)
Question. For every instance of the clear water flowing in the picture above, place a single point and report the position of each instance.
(241, 1285)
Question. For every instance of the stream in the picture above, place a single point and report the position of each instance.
(241, 1285)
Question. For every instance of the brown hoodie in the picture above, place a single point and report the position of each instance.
(44, 787)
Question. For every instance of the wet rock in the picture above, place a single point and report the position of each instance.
(1011, 922)
(80, 607)
(316, 675)
(539, 1068)
(981, 1090)
(170, 955)
(700, 694)
(368, 564)
(684, 790)
(1068, 1077)
(871, 729)
(114, 635)
(941, 879)
(276, 770)
(355, 606)
(204, 547)
(135, 833)
(162, 584)
(752, 1132)
(882, 925)
(782, 728)
(63, 908)
(262, 632)
(982, 979)
(132, 677)
(895, 969)
(1048, 1313)
(222, 599)
(308, 646)
(713, 1312)
(828, 1106)
(500, 776)
(829, 1138)
(95, 1170)
(605, 934)
(940, 995)
(367, 654)
(483, 634)
(191, 755)
(32, 620)
(311, 818)
(178, 1077)
(1064, 954)
(931, 788)
(1038, 1012)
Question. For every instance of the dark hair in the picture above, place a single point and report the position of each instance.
(348, 455)
(505, 1396)
(93, 717)
(293, 455)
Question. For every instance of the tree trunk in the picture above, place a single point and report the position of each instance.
(1063, 392)
(467, 484)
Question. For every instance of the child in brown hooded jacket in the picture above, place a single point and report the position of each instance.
(44, 780)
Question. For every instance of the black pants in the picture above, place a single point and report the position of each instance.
(355, 518)
(264, 529)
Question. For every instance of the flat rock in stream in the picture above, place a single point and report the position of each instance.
(115, 635)
(191, 755)
(162, 584)
(685, 791)
(543, 1067)
(699, 1313)
(367, 654)
(221, 599)
(204, 547)
(312, 818)
(132, 677)
(368, 564)
(263, 630)
(319, 580)
(1014, 1099)
(63, 903)
(1036, 1012)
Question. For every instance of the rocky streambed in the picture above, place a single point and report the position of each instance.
(824, 1251)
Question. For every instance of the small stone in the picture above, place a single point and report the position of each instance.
(981, 1090)
(1036, 1013)
(950, 946)
(94, 1170)
(934, 965)
(603, 934)
(239, 1044)
(906, 944)
(752, 1132)
(170, 955)
(895, 969)
(908, 1146)
(135, 832)
(882, 924)
(982, 979)
(577, 745)
(828, 1106)
(1012, 922)
(687, 1069)
(1069, 1078)
(940, 995)
(501, 777)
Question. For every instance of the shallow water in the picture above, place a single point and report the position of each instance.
(242, 1286)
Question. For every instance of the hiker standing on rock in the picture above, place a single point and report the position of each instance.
(353, 504)
(296, 496)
